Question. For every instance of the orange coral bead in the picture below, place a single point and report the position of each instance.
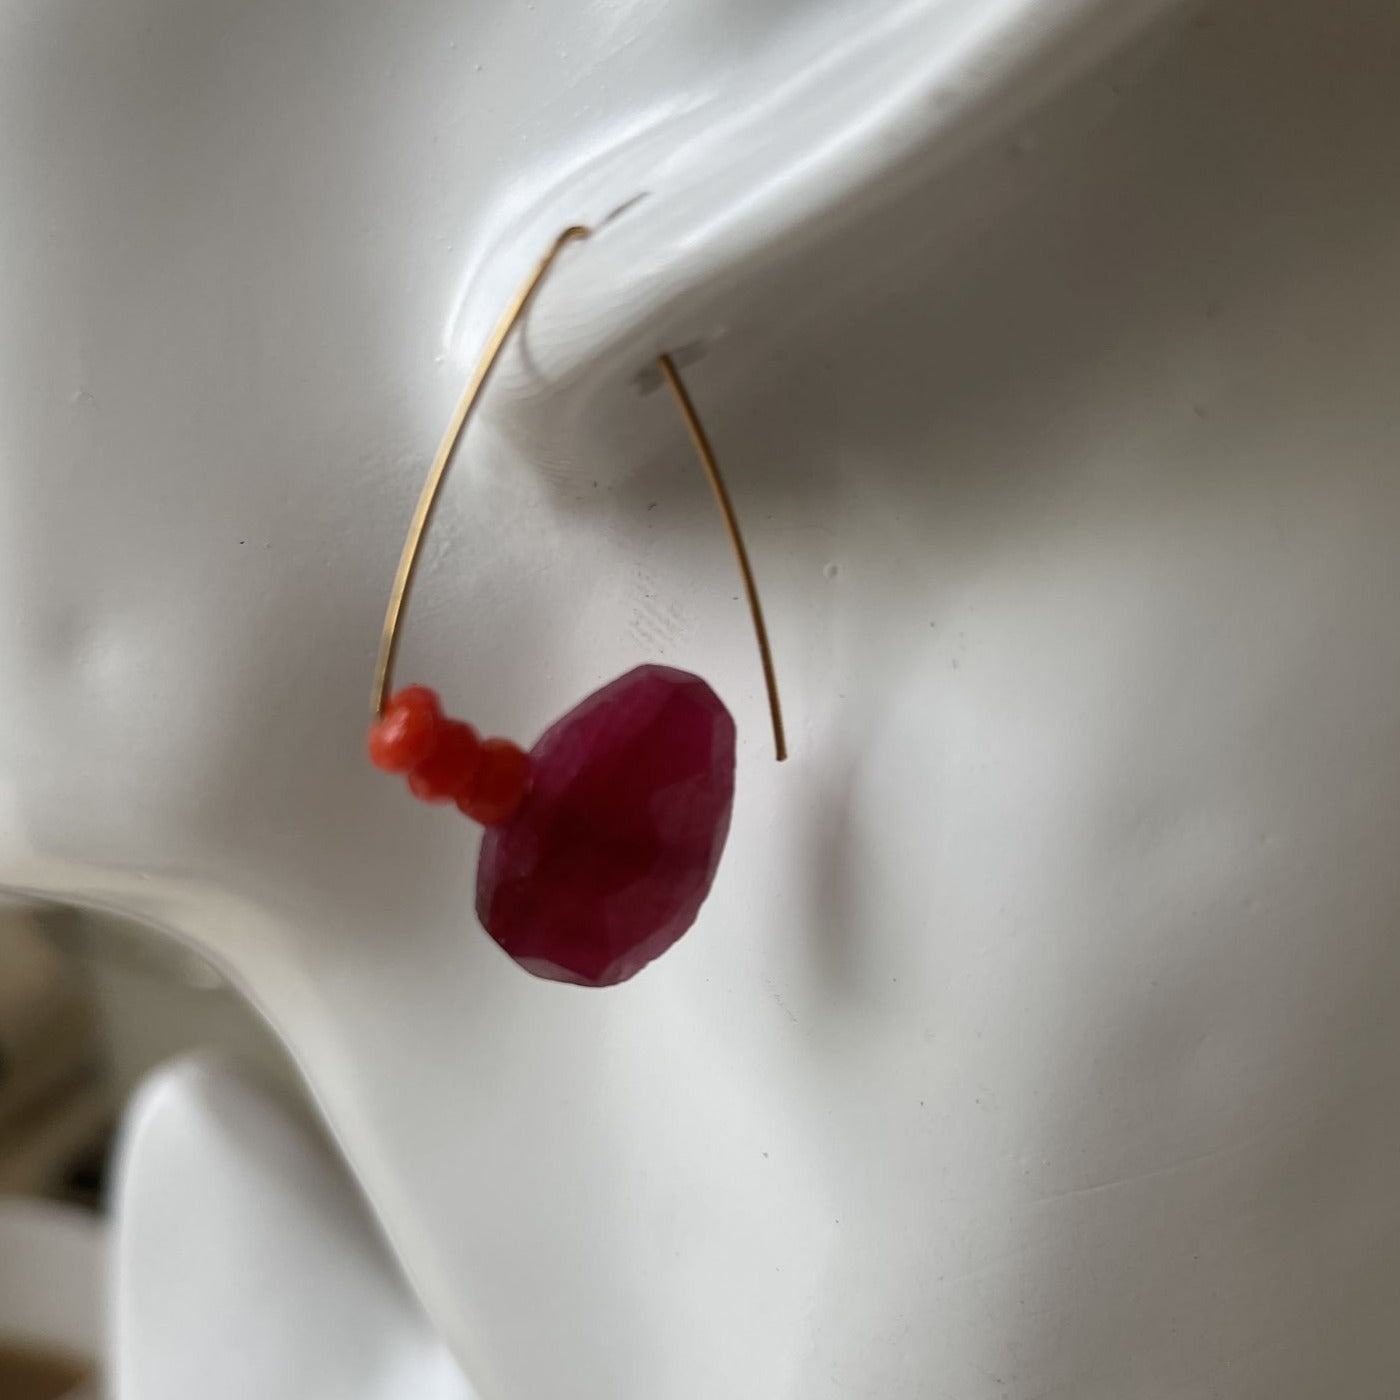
(451, 768)
(499, 785)
(406, 734)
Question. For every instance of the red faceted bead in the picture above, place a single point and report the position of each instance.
(450, 768)
(499, 785)
(407, 732)
(607, 862)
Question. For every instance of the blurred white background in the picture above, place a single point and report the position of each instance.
(90, 1006)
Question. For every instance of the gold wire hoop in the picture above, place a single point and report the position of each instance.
(447, 448)
(706, 453)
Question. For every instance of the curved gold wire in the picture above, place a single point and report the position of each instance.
(428, 498)
(706, 453)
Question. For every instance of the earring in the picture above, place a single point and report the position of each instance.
(603, 840)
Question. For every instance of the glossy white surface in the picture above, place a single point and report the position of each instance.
(1038, 1038)
(245, 1264)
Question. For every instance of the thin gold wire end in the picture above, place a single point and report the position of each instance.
(705, 452)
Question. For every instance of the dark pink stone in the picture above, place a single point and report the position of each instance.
(615, 849)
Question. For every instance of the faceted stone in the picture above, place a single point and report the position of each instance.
(609, 859)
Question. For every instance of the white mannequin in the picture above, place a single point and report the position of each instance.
(1038, 1038)
(244, 1263)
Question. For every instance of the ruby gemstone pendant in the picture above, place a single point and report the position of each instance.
(609, 858)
